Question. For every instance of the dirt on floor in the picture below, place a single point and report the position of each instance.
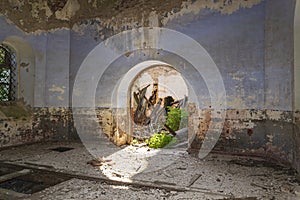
(141, 173)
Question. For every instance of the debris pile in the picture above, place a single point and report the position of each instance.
(157, 119)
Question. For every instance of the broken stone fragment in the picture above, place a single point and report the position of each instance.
(97, 162)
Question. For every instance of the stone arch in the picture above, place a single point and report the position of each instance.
(25, 67)
(121, 94)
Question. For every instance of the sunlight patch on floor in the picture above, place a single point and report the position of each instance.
(131, 161)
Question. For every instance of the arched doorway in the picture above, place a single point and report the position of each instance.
(158, 98)
(170, 83)
(195, 63)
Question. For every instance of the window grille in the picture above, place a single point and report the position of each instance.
(8, 74)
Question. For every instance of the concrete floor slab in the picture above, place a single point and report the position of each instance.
(216, 177)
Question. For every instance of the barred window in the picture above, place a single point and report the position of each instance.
(7, 74)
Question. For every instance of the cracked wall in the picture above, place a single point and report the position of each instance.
(263, 133)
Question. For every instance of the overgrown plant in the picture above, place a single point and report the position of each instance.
(175, 116)
(159, 140)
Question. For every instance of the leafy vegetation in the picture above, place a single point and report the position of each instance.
(135, 142)
(159, 140)
(175, 116)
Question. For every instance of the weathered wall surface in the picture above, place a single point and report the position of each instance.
(251, 42)
(241, 36)
(16, 125)
(297, 82)
(297, 139)
(57, 69)
(43, 67)
(279, 55)
(245, 44)
(264, 133)
(21, 125)
(54, 123)
(260, 104)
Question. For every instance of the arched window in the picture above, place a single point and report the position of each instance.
(7, 74)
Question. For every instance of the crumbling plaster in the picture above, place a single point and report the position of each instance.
(250, 66)
(36, 15)
(297, 83)
(297, 56)
(251, 42)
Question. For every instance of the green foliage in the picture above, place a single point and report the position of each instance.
(135, 142)
(159, 140)
(175, 116)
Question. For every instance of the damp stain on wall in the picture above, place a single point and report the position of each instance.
(37, 15)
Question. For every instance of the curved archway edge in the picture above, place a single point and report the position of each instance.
(105, 53)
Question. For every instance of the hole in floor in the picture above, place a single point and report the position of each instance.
(33, 182)
(62, 149)
(8, 170)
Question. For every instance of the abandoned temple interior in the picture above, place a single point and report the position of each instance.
(172, 99)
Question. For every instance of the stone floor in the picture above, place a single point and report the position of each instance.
(137, 172)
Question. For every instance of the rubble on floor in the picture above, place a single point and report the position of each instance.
(139, 173)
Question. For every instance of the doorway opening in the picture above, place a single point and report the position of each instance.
(158, 98)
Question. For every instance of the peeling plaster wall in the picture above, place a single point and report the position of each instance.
(297, 55)
(279, 55)
(36, 125)
(236, 44)
(297, 84)
(297, 139)
(258, 74)
(263, 133)
(251, 42)
(43, 83)
(119, 68)
(54, 123)
(252, 47)
(15, 125)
